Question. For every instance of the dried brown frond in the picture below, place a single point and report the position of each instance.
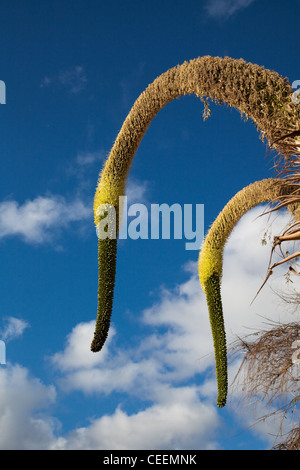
(287, 171)
(268, 362)
(292, 298)
(270, 375)
(291, 442)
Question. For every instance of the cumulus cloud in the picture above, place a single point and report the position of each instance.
(35, 221)
(169, 357)
(177, 421)
(76, 355)
(176, 348)
(224, 9)
(245, 268)
(169, 371)
(43, 218)
(24, 404)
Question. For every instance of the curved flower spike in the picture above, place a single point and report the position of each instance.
(258, 93)
(210, 265)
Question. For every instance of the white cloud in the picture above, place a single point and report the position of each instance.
(245, 268)
(24, 402)
(42, 219)
(161, 371)
(76, 354)
(14, 327)
(177, 355)
(37, 220)
(223, 9)
(177, 421)
(161, 362)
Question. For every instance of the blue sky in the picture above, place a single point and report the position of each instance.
(72, 72)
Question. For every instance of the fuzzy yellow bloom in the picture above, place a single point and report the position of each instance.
(210, 265)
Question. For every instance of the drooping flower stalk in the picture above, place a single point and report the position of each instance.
(261, 95)
(210, 264)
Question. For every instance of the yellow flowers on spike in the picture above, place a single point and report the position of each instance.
(210, 265)
(261, 95)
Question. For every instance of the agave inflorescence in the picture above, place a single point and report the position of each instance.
(210, 264)
(263, 96)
